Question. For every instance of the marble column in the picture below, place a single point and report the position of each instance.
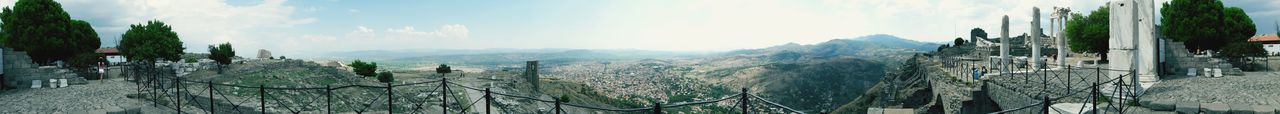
(1004, 45)
(1061, 35)
(1035, 38)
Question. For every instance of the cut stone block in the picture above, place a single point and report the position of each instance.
(62, 82)
(1188, 108)
(35, 84)
(1191, 71)
(53, 83)
(1237, 108)
(1217, 72)
(1161, 105)
(1208, 72)
(1214, 108)
(1264, 109)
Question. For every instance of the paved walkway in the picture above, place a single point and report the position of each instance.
(95, 97)
(1255, 88)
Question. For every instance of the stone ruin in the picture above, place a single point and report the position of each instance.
(21, 72)
(264, 54)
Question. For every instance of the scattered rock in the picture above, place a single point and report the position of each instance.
(1188, 108)
(1214, 108)
(1161, 105)
(1264, 109)
(1237, 108)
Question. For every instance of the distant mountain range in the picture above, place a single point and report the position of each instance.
(879, 47)
(818, 76)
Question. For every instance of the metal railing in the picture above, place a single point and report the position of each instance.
(1055, 84)
(181, 94)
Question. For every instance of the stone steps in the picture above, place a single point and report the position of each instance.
(19, 70)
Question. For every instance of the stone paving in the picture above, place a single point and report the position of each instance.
(95, 97)
(1255, 88)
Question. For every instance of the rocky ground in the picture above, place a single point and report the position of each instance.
(1257, 88)
(97, 96)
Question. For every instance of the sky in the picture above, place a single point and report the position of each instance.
(319, 26)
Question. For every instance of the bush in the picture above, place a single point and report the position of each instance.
(565, 98)
(385, 77)
(364, 69)
(86, 60)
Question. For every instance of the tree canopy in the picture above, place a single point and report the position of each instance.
(364, 68)
(1205, 24)
(45, 31)
(959, 41)
(385, 77)
(222, 53)
(444, 69)
(150, 42)
(1089, 33)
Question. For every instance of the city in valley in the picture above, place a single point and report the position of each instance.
(640, 56)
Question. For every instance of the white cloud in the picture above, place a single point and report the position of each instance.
(353, 10)
(446, 31)
(361, 32)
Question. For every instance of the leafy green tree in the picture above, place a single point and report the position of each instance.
(222, 53)
(385, 77)
(364, 68)
(45, 31)
(1205, 24)
(282, 57)
(1238, 51)
(444, 69)
(959, 41)
(1089, 34)
(151, 42)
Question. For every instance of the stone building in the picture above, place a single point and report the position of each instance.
(264, 54)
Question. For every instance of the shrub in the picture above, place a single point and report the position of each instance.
(385, 77)
(364, 69)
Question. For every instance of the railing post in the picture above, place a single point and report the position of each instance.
(488, 99)
(558, 110)
(389, 101)
(177, 92)
(328, 99)
(212, 106)
(444, 95)
(657, 108)
(1094, 95)
(1045, 104)
(745, 100)
(262, 97)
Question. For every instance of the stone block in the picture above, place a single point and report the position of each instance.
(1237, 108)
(1214, 108)
(1264, 109)
(1188, 108)
(35, 84)
(1161, 105)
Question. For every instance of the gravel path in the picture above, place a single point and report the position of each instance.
(1258, 88)
(97, 96)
